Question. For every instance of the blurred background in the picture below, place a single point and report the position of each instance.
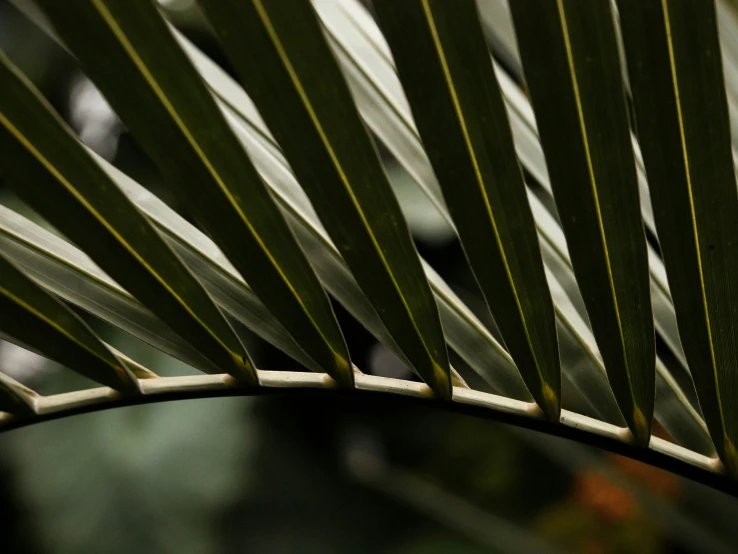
(288, 474)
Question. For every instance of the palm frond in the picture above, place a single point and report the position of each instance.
(291, 203)
(165, 107)
(682, 118)
(480, 176)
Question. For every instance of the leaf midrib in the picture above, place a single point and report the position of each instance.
(264, 16)
(143, 69)
(478, 174)
(108, 283)
(695, 230)
(40, 315)
(91, 209)
(593, 183)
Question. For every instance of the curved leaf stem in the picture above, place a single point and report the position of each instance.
(586, 430)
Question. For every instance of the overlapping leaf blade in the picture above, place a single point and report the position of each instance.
(451, 91)
(539, 227)
(366, 61)
(573, 326)
(167, 107)
(496, 18)
(208, 263)
(53, 172)
(289, 72)
(674, 62)
(33, 316)
(570, 59)
(464, 332)
(69, 273)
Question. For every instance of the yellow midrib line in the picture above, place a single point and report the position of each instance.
(695, 230)
(326, 143)
(91, 209)
(143, 69)
(23, 304)
(405, 119)
(477, 172)
(45, 251)
(408, 125)
(593, 182)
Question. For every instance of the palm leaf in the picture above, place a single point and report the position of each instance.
(474, 343)
(298, 200)
(39, 320)
(70, 274)
(170, 111)
(582, 118)
(688, 157)
(56, 176)
(497, 21)
(335, 161)
(367, 62)
(480, 175)
(464, 332)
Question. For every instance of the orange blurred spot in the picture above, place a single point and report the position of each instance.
(657, 480)
(603, 497)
